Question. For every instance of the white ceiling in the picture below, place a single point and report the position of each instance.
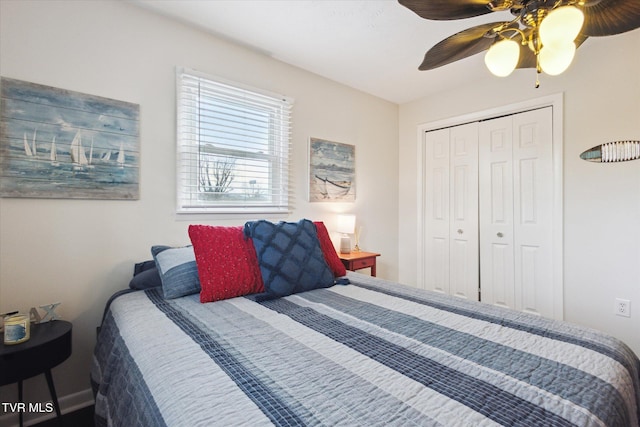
(371, 45)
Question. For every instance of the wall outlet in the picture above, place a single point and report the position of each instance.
(622, 307)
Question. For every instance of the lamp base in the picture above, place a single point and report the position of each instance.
(345, 245)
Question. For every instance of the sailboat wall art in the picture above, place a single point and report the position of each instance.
(56, 143)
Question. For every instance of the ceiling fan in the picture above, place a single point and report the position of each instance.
(543, 34)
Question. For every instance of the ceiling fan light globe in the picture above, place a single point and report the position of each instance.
(555, 60)
(502, 57)
(561, 25)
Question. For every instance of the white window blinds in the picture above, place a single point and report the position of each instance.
(233, 146)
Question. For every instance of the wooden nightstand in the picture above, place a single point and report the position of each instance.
(49, 345)
(357, 260)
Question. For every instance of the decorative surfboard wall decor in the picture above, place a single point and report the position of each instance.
(612, 152)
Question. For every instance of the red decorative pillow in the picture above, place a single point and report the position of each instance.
(329, 251)
(227, 262)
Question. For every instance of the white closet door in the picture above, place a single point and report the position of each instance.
(516, 206)
(496, 212)
(463, 223)
(533, 211)
(436, 218)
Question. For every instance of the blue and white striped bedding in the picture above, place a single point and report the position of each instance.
(370, 353)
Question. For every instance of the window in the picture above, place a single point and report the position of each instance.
(233, 147)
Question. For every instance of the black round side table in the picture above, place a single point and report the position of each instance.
(49, 345)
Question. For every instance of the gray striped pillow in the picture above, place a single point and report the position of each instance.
(178, 270)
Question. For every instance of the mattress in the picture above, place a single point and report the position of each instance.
(370, 353)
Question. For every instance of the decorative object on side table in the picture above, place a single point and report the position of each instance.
(49, 315)
(49, 345)
(356, 236)
(359, 260)
(16, 328)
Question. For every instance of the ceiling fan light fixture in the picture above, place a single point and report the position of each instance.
(549, 31)
(555, 60)
(561, 26)
(502, 57)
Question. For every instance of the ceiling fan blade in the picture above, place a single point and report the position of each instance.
(609, 17)
(528, 58)
(444, 10)
(459, 46)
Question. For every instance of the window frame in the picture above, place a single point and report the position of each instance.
(191, 146)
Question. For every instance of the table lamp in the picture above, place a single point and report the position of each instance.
(346, 226)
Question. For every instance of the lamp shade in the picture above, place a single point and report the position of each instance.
(502, 57)
(346, 224)
(561, 25)
(555, 60)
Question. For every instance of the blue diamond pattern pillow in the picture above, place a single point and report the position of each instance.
(289, 256)
(178, 270)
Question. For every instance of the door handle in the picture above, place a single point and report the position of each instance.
(460, 231)
(500, 235)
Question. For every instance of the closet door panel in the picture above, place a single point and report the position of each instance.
(533, 211)
(496, 212)
(436, 221)
(463, 224)
(463, 270)
(501, 290)
(529, 299)
(438, 274)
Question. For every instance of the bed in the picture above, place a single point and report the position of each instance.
(364, 351)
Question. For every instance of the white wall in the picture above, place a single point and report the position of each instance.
(601, 201)
(78, 252)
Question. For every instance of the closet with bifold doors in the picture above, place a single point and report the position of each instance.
(488, 206)
(451, 206)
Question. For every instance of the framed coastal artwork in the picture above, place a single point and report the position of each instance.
(332, 172)
(56, 143)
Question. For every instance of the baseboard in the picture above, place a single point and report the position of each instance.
(69, 403)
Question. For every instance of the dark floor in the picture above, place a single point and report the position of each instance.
(80, 418)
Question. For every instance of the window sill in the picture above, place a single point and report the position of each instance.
(231, 213)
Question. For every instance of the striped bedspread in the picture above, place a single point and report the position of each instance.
(371, 353)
